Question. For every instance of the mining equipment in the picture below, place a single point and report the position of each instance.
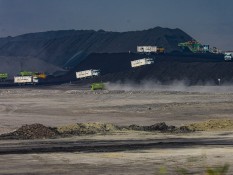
(34, 74)
(197, 47)
(22, 80)
(3, 76)
(228, 56)
(142, 62)
(150, 49)
(193, 46)
(147, 49)
(25, 73)
(215, 50)
(87, 73)
(97, 86)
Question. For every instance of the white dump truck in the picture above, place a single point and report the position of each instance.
(87, 73)
(147, 49)
(25, 80)
(228, 56)
(142, 62)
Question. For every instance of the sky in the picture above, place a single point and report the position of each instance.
(208, 21)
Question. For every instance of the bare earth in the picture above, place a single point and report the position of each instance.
(62, 105)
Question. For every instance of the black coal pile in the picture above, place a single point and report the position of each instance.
(68, 47)
(33, 131)
(193, 69)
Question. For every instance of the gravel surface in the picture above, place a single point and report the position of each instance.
(67, 105)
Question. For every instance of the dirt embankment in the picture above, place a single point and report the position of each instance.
(86, 128)
(39, 131)
(212, 125)
(34, 131)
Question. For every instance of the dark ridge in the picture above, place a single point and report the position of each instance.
(67, 48)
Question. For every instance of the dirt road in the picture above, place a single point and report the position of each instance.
(149, 153)
(54, 107)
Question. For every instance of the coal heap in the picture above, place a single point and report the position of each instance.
(69, 47)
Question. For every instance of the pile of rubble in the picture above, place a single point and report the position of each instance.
(34, 131)
(212, 125)
(39, 131)
(86, 128)
(161, 127)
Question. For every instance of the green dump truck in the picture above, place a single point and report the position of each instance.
(34, 74)
(97, 86)
(3, 76)
(26, 73)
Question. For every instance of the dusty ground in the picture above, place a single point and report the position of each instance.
(56, 106)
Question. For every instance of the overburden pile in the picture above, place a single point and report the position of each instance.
(212, 125)
(33, 131)
(39, 131)
(87, 128)
(161, 127)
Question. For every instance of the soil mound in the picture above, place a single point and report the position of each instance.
(86, 128)
(161, 127)
(212, 125)
(33, 131)
(39, 131)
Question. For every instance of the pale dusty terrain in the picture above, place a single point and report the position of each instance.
(57, 106)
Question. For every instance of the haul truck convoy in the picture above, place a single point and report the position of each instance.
(142, 62)
(87, 74)
(25, 80)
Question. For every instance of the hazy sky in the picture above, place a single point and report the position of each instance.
(209, 21)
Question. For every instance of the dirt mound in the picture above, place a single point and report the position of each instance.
(39, 131)
(212, 125)
(33, 131)
(86, 128)
(103, 128)
(156, 127)
(162, 127)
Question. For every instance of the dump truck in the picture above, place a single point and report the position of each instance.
(26, 73)
(25, 80)
(34, 74)
(228, 56)
(141, 62)
(87, 73)
(3, 76)
(97, 86)
(147, 49)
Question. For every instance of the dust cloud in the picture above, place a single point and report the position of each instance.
(176, 86)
